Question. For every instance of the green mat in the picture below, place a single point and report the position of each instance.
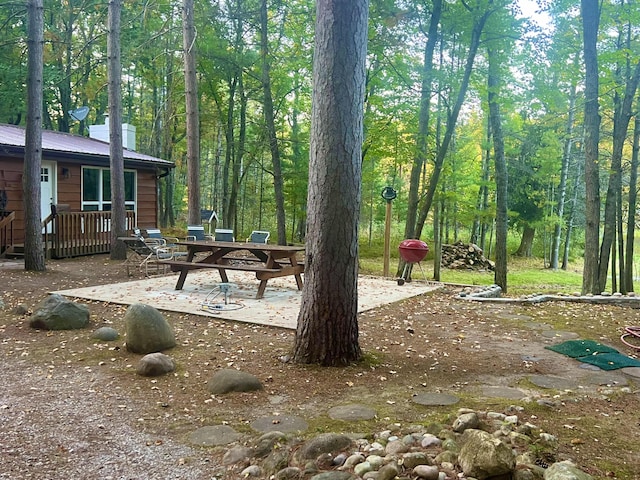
(594, 353)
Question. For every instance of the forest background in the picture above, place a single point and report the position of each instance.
(434, 69)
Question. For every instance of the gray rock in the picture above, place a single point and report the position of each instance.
(426, 472)
(155, 364)
(214, 435)
(565, 471)
(352, 412)
(375, 461)
(289, 473)
(237, 454)
(334, 476)
(267, 442)
(58, 313)
(483, 456)
(280, 423)
(106, 334)
(388, 472)
(251, 471)
(430, 440)
(362, 468)
(325, 443)
(147, 330)
(20, 310)
(396, 447)
(230, 380)
(446, 456)
(466, 421)
(353, 460)
(276, 461)
(523, 473)
(413, 459)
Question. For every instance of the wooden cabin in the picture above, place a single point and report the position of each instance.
(75, 192)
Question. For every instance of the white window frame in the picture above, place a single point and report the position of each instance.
(129, 204)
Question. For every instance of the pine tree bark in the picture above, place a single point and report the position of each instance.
(590, 19)
(502, 221)
(192, 114)
(114, 75)
(33, 245)
(327, 331)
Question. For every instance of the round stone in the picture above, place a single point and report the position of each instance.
(214, 435)
(559, 335)
(556, 383)
(352, 412)
(280, 423)
(435, 399)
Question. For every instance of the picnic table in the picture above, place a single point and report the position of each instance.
(266, 260)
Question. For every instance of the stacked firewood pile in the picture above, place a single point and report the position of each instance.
(465, 256)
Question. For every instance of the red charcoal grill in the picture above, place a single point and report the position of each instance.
(412, 251)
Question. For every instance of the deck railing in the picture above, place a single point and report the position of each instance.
(6, 230)
(72, 234)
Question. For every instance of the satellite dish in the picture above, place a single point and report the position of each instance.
(79, 114)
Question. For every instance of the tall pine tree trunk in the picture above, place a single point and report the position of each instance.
(502, 225)
(590, 19)
(118, 212)
(33, 247)
(192, 113)
(327, 331)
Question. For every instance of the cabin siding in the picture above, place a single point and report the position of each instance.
(69, 190)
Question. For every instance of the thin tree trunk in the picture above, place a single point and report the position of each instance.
(423, 121)
(278, 182)
(192, 112)
(564, 173)
(633, 197)
(118, 211)
(622, 116)
(502, 225)
(452, 119)
(31, 190)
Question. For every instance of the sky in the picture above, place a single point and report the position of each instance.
(529, 8)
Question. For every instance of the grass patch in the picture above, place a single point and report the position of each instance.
(525, 276)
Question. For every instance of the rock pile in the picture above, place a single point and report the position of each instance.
(477, 445)
(463, 256)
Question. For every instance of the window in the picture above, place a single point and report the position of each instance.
(96, 189)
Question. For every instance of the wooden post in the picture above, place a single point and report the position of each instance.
(388, 193)
(387, 235)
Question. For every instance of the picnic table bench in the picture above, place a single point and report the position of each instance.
(266, 260)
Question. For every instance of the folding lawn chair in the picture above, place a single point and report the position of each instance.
(146, 256)
(259, 236)
(196, 233)
(224, 235)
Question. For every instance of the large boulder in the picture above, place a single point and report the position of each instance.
(483, 456)
(58, 313)
(147, 330)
